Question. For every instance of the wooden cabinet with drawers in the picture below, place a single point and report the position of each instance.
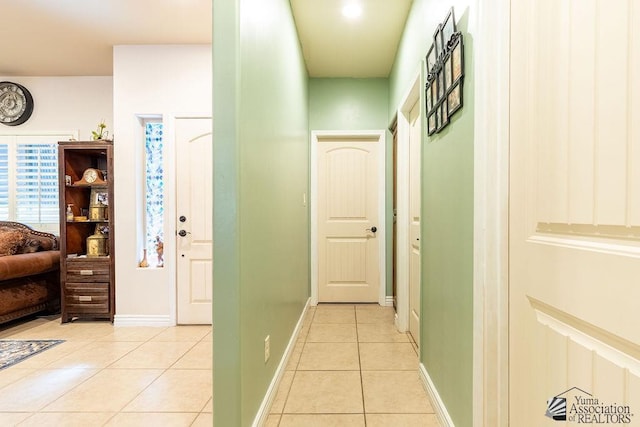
(87, 251)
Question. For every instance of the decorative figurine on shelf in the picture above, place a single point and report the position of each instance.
(160, 251)
(100, 133)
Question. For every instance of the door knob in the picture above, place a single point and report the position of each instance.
(183, 233)
(372, 229)
(182, 218)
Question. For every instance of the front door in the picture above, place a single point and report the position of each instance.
(574, 247)
(414, 222)
(194, 208)
(348, 220)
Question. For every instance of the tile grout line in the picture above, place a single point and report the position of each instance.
(364, 410)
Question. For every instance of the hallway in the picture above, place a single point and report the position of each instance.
(350, 367)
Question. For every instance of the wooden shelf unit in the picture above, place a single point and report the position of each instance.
(87, 282)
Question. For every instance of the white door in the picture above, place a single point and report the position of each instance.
(194, 208)
(414, 223)
(574, 268)
(348, 220)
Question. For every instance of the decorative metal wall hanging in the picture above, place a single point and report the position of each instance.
(445, 75)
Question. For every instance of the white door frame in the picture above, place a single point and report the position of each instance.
(315, 136)
(491, 214)
(402, 219)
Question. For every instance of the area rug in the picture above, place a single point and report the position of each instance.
(14, 351)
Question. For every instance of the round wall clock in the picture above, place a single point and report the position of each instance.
(16, 104)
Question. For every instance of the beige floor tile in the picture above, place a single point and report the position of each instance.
(329, 357)
(303, 334)
(107, 391)
(83, 330)
(324, 420)
(182, 419)
(132, 333)
(308, 317)
(394, 392)
(404, 420)
(294, 359)
(98, 354)
(376, 332)
(154, 355)
(13, 418)
(332, 333)
(314, 392)
(342, 315)
(183, 333)
(322, 307)
(198, 357)
(53, 354)
(176, 390)
(208, 337)
(208, 407)
(67, 419)
(283, 391)
(40, 388)
(13, 374)
(272, 420)
(375, 314)
(388, 356)
(203, 420)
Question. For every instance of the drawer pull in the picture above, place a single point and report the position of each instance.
(84, 298)
(86, 272)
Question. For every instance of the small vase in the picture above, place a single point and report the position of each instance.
(144, 263)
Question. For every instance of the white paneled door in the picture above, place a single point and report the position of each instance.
(574, 267)
(414, 222)
(194, 208)
(348, 220)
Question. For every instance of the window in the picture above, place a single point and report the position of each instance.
(29, 180)
(154, 183)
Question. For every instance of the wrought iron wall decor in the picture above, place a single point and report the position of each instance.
(445, 75)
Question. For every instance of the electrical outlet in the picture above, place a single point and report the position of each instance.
(267, 348)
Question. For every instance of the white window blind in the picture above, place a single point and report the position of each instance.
(36, 183)
(4, 181)
(29, 180)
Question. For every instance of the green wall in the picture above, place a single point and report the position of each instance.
(447, 217)
(348, 104)
(356, 104)
(261, 228)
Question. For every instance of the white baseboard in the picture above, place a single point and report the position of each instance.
(142, 320)
(438, 404)
(389, 301)
(265, 407)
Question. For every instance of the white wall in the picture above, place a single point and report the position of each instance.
(164, 81)
(66, 104)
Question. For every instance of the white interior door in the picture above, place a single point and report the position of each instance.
(348, 246)
(414, 222)
(194, 208)
(574, 273)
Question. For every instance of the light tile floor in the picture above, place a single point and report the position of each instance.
(106, 376)
(351, 367)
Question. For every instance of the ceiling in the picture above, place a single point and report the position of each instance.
(75, 37)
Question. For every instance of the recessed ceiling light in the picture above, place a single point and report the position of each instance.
(352, 10)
